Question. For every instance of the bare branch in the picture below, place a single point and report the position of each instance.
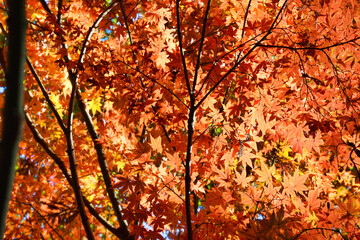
(156, 82)
(245, 18)
(46, 95)
(190, 133)
(38, 138)
(216, 61)
(41, 216)
(45, 6)
(201, 45)
(91, 30)
(60, 2)
(240, 60)
(181, 46)
(341, 86)
(311, 48)
(72, 160)
(123, 230)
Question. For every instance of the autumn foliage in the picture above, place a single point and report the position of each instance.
(188, 119)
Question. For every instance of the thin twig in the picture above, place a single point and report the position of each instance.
(311, 48)
(257, 44)
(156, 82)
(46, 95)
(215, 62)
(181, 46)
(41, 216)
(201, 45)
(245, 19)
(335, 230)
(91, 31)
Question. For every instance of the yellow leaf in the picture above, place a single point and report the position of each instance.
(95, 105)
(120, 165)
(313, 219)
(56, 101)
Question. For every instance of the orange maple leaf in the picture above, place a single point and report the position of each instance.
(265, 174)
(160, 59)
(155, 143)
(295, 183)
(242, 180)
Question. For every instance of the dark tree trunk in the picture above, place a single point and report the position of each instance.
(12, 117)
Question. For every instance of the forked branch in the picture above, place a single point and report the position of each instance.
(39, 139)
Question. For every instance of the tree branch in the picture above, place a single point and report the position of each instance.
(45, 6)
(39, 139)
(46, 95)
(124, 232)
(311, 48)
(103, 166)
(138, 68)
(201, 45)
(335, 230)
(47, 9)
(42, 217)
(60, 2)
(91, 30)
(240, 60)
(190, 132)
(181, 46)
(73, 164)
(245, 18)
(156, 82)
(215, 62)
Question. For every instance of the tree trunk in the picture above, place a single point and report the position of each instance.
(13, 110)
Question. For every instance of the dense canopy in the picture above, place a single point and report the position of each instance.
(188, 119)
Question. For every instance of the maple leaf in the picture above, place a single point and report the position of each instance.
(295, 183)
(297, 145)
(333, 139)
(198, 187)
(120, 165)
(265, 174)
(155, 143)
(313, 199)
(55, 99)
(350, 207)
(246, 159)
(313, 219)
(173, 161)
(160, 59)
(242, 179)
(297, 132)
(67, 88)
(95, 105)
